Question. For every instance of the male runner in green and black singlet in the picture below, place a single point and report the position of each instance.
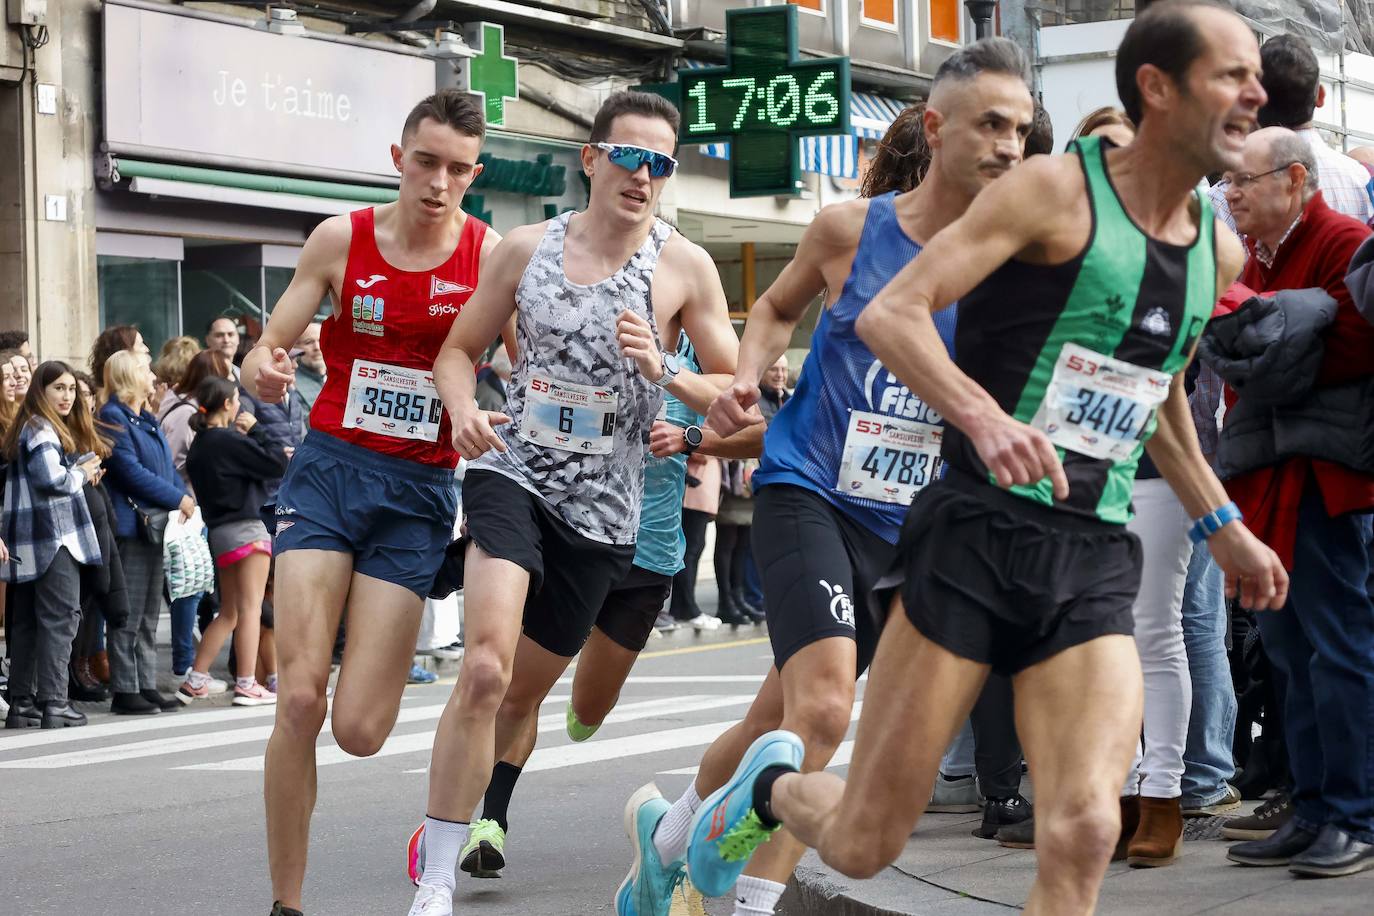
(1084, 282)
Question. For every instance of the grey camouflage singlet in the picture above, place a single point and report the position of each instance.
(566, 331)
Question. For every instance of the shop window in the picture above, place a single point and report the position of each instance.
(880, 12)
(944, 20)
(140, 291)
(209, 292)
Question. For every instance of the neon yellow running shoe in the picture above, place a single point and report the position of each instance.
(576, 729)
(484, 855)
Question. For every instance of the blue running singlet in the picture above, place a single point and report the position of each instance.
(852, 432)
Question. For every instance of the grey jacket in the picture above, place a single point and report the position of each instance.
(1360, 279)
(1270, 351)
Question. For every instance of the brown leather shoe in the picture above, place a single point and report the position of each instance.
(100, 666)
(1130, 820)
(1159, 838)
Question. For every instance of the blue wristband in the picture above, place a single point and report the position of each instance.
(1212, 522)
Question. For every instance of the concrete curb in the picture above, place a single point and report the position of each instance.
(816, 893)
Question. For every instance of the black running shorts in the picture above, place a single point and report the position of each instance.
(628, 615)
(1000, 580)
(818, 567)
(570, 575)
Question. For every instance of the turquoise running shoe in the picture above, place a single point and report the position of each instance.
(726, 830)
(648, 889)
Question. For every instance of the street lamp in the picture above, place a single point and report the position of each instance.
(981, 13)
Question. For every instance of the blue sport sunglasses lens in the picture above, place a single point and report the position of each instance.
(631, 158)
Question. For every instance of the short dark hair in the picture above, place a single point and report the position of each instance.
(450, 107)
(986, 55)
(1291, 77)
(210, 325)
(13, 340)
(628, 101)
(1040, 140)
(1166, 35)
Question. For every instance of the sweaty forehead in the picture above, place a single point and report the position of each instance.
(1226, 37)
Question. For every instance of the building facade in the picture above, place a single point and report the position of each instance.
(169, 160)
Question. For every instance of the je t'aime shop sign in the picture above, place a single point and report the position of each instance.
(176, 84)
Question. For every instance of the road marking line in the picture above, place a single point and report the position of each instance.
(687, 679)
(692, 904)
(685, 650)
(159, 722)
(424, 741)
(202, 741)
(843, 754)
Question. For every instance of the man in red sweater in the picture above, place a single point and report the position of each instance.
(1314, 514)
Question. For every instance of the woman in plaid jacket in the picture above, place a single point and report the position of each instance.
(50, 535)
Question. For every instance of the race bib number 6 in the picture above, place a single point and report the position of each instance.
(569, 417)
(887, 458)
(393, 401)
(1099, 406)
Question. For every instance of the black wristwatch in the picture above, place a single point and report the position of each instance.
(692, 436)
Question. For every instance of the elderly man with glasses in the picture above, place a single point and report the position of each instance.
(1302, 360)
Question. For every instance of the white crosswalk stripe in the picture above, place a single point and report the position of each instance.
(676, 722)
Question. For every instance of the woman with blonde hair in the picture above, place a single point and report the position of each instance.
(170, 366)
(1108, 122)
(53, 451)
(145, 488)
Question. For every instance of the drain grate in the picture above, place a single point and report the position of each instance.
(1203, 828)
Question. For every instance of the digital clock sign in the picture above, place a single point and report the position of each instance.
(762, 100)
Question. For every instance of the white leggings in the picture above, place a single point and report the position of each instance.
(1161, 523)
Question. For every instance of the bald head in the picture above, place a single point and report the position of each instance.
(776, 376)
(1364, 155)
(1279, 147)
(1277, 177)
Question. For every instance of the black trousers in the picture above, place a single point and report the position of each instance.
(41, 622)
(996, 749)
(684, 601)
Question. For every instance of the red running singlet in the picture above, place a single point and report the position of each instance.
(380, 348)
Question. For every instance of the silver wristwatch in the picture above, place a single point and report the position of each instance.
(671, 367)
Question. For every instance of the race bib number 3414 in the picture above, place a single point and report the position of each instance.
(393, 401)
(1099, 406)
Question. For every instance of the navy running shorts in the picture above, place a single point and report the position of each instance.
(395, 516)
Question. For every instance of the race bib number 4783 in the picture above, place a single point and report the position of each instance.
(393, 401)
(1099, 406)
(887, 458)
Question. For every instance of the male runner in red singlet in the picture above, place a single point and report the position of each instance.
(369, 501)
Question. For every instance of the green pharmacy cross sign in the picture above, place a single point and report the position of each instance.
(763, 100)
(491, 74)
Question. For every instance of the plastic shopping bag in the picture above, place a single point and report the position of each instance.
(190, 569)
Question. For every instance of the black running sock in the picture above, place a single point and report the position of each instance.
(763, 793)
(497, 800)
(279, 910)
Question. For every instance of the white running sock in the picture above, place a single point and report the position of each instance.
(244, 683)
(443, 841)
(670, 836)
(197, 680)
(756, 896)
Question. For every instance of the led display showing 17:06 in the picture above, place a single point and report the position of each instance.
(768, 100)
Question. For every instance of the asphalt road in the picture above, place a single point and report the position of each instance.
(163, 815)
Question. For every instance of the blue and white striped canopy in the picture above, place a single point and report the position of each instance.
(836, 155)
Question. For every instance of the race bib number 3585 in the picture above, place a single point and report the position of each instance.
(887, 458)
(393, 401)
(1099, 406)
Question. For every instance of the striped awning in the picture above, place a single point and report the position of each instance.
(837, 154)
